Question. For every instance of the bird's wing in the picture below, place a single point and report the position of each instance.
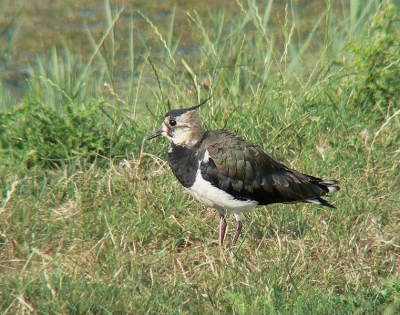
(245, 171)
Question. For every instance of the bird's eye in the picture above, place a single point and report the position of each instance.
(172, 122)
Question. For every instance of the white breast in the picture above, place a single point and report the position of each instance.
(216, 198)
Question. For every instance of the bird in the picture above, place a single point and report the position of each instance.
(232, 175)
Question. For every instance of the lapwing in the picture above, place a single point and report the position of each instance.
(230, 174)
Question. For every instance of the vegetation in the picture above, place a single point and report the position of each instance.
(92, 221)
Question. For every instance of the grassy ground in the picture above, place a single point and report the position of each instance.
(92, 221)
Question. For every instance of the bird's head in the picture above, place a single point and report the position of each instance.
(181, 127)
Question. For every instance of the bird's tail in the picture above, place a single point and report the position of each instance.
(331, 186)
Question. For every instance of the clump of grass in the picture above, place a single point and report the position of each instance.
(92, 220)
(377, 60)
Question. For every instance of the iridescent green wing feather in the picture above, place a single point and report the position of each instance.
(245, 171)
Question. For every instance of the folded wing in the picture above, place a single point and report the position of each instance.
(245, 171)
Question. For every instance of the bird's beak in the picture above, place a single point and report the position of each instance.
(156, 134)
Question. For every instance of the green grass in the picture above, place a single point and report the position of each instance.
(92, 220)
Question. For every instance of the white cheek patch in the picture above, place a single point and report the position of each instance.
(181, 135)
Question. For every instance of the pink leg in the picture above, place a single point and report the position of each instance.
(222, 229)
(237, 233)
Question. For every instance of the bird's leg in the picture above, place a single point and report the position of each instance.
(237, 233)
(222, 229)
